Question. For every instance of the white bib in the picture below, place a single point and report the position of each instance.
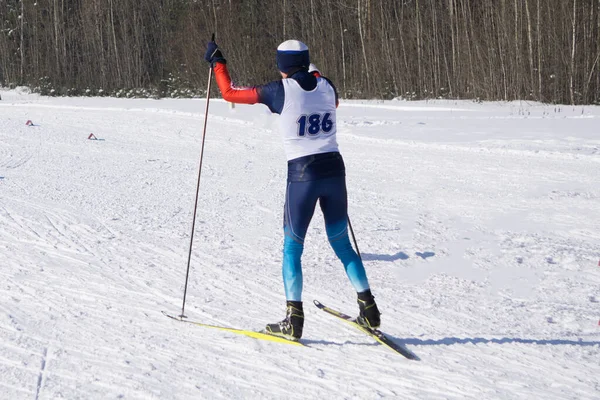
(307, 121)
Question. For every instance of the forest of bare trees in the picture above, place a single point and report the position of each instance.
(546, 50)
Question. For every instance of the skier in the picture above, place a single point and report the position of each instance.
(307, 105)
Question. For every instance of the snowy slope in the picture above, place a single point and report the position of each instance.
(478, 223)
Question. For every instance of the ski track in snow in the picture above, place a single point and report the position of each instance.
(478, 224)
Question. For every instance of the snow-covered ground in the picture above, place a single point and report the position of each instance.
(479, 225)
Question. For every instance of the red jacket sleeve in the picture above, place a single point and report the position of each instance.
(231, 93)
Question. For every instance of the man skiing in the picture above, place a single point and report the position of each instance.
(306, 103)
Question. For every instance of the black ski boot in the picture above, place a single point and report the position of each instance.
(369, 315)
(291, 327)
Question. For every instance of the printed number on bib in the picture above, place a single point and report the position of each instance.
(314, 124)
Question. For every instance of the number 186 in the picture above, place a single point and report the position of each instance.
(316, 123)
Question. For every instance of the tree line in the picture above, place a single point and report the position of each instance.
(545, 50)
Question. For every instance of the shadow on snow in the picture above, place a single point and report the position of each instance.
(393, 257)
(454, 340)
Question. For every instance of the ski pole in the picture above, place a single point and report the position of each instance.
(187, 274)
(354, 238)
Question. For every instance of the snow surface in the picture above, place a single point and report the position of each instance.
(478, 223)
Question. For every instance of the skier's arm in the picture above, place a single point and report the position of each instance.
(231, 93)
(270, 94)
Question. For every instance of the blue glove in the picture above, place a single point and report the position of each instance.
(213, 54)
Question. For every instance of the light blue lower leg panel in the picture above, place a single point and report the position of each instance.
(292, 269)
(340, 242)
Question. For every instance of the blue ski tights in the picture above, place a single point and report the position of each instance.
(301, 199)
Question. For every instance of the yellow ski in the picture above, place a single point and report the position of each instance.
(252, 334)
(374, 333)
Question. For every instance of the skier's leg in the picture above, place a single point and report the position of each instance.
(300, 201)
(334, 204)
